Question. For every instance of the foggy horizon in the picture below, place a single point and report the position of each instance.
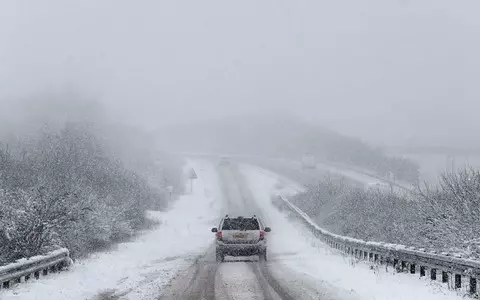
(383, 71)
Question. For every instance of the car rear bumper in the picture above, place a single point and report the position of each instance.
(241, 249)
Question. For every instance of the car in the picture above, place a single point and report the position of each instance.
(241, 236)
(224, 161)
(308, 161)
(377, 186)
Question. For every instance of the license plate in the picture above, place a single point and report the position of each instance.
(239, 235)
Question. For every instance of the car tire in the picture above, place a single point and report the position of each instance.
(262, 257)
(220, 257)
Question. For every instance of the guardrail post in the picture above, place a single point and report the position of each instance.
(370, 256)
(45, 272)
(365, 255)
(404, 266)
(395, 262)
(422, 271)
(412, 268)
(444, 277)
(473, 285)
(6, 284)
(53, 269)
(433, 274)
(36, 274)
(458, 281)
(375, 257)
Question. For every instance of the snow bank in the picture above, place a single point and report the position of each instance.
(295, 250)
(141, 268)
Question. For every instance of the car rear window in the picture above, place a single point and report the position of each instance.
(240, 224)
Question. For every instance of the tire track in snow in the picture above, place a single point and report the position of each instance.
(197, 282)
(271, 288)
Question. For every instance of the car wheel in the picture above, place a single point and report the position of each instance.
(220, 256)
(262, 256)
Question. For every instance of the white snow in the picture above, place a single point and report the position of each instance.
(237, 281)
(286, 185)
(295, 251)
(141, 268)
(363, 176)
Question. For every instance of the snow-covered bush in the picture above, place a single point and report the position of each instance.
(452, 211)
(446, 218)
(66, 188)
(353, 212)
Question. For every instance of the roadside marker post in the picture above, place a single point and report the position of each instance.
(170, 191)
(192, 176)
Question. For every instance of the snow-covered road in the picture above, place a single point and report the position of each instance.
(176, 260)
(299, 265)
(236, 278)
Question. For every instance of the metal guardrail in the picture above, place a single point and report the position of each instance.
(455, 271)
(34, 267)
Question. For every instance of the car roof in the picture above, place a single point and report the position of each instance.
(240, 217)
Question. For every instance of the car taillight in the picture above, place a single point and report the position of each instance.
(219, 235)
(262, 235)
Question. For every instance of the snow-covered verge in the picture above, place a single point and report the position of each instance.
(293, 249)
(141, 268)
(365, 176)
(354, 176)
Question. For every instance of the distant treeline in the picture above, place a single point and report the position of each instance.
(71, 187)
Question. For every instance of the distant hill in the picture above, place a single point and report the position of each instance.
(281, 137)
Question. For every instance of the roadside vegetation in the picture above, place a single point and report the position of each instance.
(80, 185)
(442, 218)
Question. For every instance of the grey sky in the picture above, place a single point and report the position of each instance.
(380, 69)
